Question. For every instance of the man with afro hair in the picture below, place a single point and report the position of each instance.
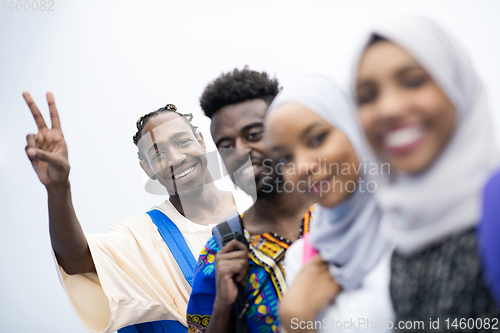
(238, 86)
(237, 103)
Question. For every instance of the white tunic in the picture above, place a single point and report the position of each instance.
(371, 301)
(138, 279)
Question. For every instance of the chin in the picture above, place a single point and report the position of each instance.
(414, 162)
(190, 191)
(412, 166)
(269, 187)
(261, 194)
(328, 202)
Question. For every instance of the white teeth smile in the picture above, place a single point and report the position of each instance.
(403, 137)
(184, 173)
(249, 169)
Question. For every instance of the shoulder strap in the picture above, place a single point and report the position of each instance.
(175, 242)
(225, 232)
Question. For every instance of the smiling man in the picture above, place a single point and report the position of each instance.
(237, 103)
(139, 274)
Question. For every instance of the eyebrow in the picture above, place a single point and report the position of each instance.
(364, 83)
(407, 68)
(154, 146)
(309, 129)
(252, 125)
(401, 71)
(221, 140)
(244, 129)
(178, 134)
(302, 135)
(172, 137)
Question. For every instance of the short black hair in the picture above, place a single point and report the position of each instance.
(238, 86)
(375, 38)
(141, 122)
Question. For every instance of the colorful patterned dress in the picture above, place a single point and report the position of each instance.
(265, 286)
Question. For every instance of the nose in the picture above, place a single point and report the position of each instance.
(243, 145)
(305, 165)
(391, 105)
(242, 151)
(175, 157)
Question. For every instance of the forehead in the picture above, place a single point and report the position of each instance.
(290, 120)
(293, 110)
(231, 119)
(164, 126)
(291, 114)
(383, 58)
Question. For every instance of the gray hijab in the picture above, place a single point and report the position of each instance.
(348, 236)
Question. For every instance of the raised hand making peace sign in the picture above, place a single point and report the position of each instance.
(48, 154)
(47, 149)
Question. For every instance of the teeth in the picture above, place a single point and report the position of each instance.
(184, 173)
(249, 169)
(403, 137)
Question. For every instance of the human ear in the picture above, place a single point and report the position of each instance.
(147, 169)
(201, 141)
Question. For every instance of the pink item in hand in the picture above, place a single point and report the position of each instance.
(308, 251)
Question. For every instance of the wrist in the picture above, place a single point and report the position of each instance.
(58, 188)
(222, 306)
(303, 311)
(306, 314)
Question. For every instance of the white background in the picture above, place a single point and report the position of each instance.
(109, 63)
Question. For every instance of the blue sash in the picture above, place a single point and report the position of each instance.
(187, 263)
(162, 326)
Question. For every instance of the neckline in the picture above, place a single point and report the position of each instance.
(282, 241)
(179, 217)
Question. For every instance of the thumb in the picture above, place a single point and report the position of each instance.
(36, 154)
